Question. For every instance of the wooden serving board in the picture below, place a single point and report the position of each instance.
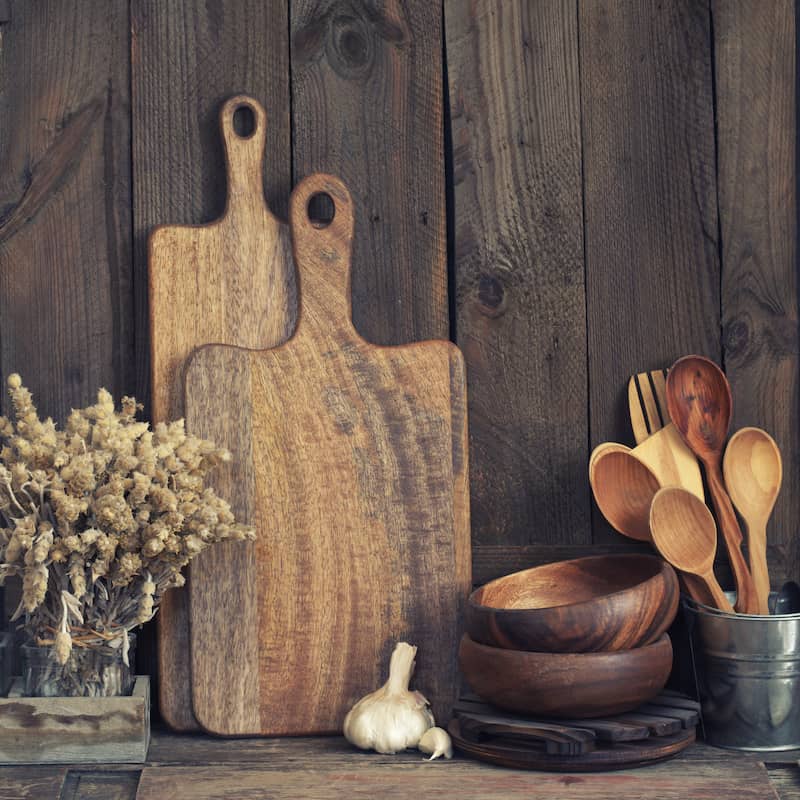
(351, 460)
(231, 281)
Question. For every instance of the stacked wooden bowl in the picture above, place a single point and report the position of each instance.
(575, 639)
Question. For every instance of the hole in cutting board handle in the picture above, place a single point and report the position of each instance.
(244, 121)
(320, 209)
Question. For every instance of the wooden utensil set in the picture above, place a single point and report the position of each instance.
(654, 492)
(349, 459)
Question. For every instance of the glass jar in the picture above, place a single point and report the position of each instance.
(89, 672)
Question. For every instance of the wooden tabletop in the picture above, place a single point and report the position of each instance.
(202, 768)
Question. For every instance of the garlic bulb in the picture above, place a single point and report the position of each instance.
(391, 718)
(436, 742)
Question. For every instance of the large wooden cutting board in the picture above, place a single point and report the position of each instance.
(351, 460)
(231, 281)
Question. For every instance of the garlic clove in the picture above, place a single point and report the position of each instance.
(437, 742)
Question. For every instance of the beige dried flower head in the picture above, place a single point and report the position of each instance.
(99, 518)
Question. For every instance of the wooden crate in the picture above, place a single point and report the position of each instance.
(75, 730)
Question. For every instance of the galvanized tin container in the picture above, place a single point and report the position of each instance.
(748, 673)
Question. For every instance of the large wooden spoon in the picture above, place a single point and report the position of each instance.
(684, 532)
(753, 473)
(699, 402)
(605, 447)
(623, 488)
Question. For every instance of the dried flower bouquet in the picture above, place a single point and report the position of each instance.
(98, 519)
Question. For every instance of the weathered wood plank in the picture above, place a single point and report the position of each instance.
(66, 303)
(96, 785)
(187, 59)
(652, 258)
(519, 283)
(31, 783)
(75, 730)
(492, 561)
(756, 124)
(367, 107)
(740, 777)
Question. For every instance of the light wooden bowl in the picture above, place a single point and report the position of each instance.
(572, 685)
(585, 605)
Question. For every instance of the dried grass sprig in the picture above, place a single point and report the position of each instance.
(99, 519)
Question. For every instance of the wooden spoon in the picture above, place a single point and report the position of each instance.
(699, 402)
(629, 512)
(753, 473)
(623, 488)
(684, 533)
(605, 447)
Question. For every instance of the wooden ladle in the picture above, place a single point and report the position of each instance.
(623, 487)
(753, 473)
(684, 532)
(700, 404)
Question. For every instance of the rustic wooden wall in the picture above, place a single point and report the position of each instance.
(574, 190)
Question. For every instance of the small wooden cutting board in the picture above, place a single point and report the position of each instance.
(231, 281)
(351, 461)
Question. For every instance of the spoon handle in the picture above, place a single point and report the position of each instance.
(720, 601)
(757, 550)
(746, 599)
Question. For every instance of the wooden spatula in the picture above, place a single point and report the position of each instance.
(659, 445)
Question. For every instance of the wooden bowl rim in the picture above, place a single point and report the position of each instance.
(663, 641)
(663, 569)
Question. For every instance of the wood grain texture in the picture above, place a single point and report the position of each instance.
(753, 471)
(188, 58)
(66, 303)
(510, 753)
(75, 730)
(670, 460)
(599, 603)
(367, 107)
(519, 282)
(699, 401)
(354, 457)
(88, 784)
(31, 783)
(702, 773)
(685, 534)
(571, 685)
(231, 281)
(755, 53)
(652, 260)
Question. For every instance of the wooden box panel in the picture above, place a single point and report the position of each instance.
(75, 730)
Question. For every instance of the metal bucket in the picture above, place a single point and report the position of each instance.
(747, 669)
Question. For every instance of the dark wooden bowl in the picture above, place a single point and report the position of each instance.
(574, 685)
(581, 606)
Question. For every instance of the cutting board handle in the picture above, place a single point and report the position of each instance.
(322, 254)
(243, 123)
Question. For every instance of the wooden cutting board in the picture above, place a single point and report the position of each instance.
(231, 281)
(351, 460)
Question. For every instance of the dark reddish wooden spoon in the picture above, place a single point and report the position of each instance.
(700, 405)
